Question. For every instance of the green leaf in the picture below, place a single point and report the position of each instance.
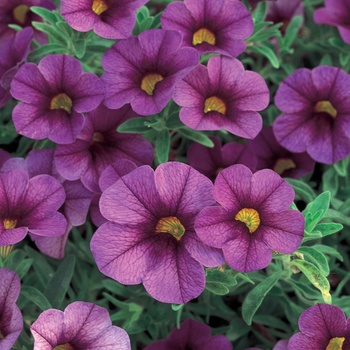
(311, 220)
(52, 31)
(79, 47)
(334, 215)
(57, 288)
(268, 53)
(134, 125)
(216, 288)
(35, 297)
(291, 32)
(317, 258)
(321, 203)
(196, 136)
(177, 307)
(328, 228)
(217, 276)
(162, 146)
(304, 289)
(173, 122)
(256, 296)
(342, 167)
(7, 134)
(302, 189)
(325, 249)
(330, 181)
(45, 14)
(37, 54)
(259, 13)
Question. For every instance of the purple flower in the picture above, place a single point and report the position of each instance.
(192, 335)
(222, 96)
(253, 218)
(143, 70)
(210, 161)
(270, 154)
(280, 345)
(322, 326)
(316, 113)
(11, 321)
(18, 12)
(4, 156)
(109, 19)
(150, 237)
(81, 326)
(29, 205)
(99, 145)
(210, 25)
(13, 53)
(55, 94)
(335, 13)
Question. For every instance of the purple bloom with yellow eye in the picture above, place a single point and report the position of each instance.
(222, 96)
(143, 70)
(270, 154)
(253, 218)
(335, 13)
(11, 321)
(322, 326)
(54, 96)
(210, 25)
(109, 19)
(210, 161)
(81, 325)
(150, 237)
(99, 145)
(316, 113)
(192, 335)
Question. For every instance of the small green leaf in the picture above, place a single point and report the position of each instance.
(217, 276)
(317, 258)
(45, 14)
(321, 203)
(330, 181)
(325, 249)
(35, 297)
(37, 54)
(216, 288)
(134, 125)
(334, 215)
(256, 296)
(328, 228)
(268, 53)
(162, 146)
(291, 32)
(302, 189)
(196, 136)
(52, 31)
(342, 167)
(177, 307)
(259, 13)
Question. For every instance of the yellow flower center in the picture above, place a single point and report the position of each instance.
(335, 344)
(250, 217)
(97, 137)
(283, 164)
(149, 82)
(214, 104)
(62, 101)
(203, 35)
(9, 224)
(326, 107)
(20, 13)
(5, 251)
(99, 6)
(172, 225)
(66, 346)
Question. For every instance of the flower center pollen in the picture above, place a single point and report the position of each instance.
(99, 6)
(149, 82)
(203, 35)
(9, 224)
(336, 343)
(172, 225)
(97, 137)
(66, 346)
(283, 164)
(326, 107)
(250, 217)
(20, 13)
(214, 104)
(62, 101)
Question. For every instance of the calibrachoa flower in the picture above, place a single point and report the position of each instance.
(143, 70)
(11, 321)
(150, 237)
(82, 325)
(18, 12)
(222, 96)
(316, 113)
(54, 95)
(13, 53)
(109, 19)
(4, 156)
(280, 345)
(210, 161)
(29, 205)
(335, 13)
(192, 335)
(322, 326)
(270, 154)
(210, 25)
(253, 218)
(99, 145)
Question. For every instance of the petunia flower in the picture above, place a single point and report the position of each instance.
(18, 12)
(143, 70)
(192, 335)
(270, 154)
(13, 53)
(253, 218)
(29, 205)
(54, 95)
(222, 96)
(109, 19)
(82, 325)
(11, 321)
(280, 345)
(335, 13)
(150, 237)
(210, 25)
(322, 326)
(99, 145)
(4, 156)
(210, 161)
(316, 113)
